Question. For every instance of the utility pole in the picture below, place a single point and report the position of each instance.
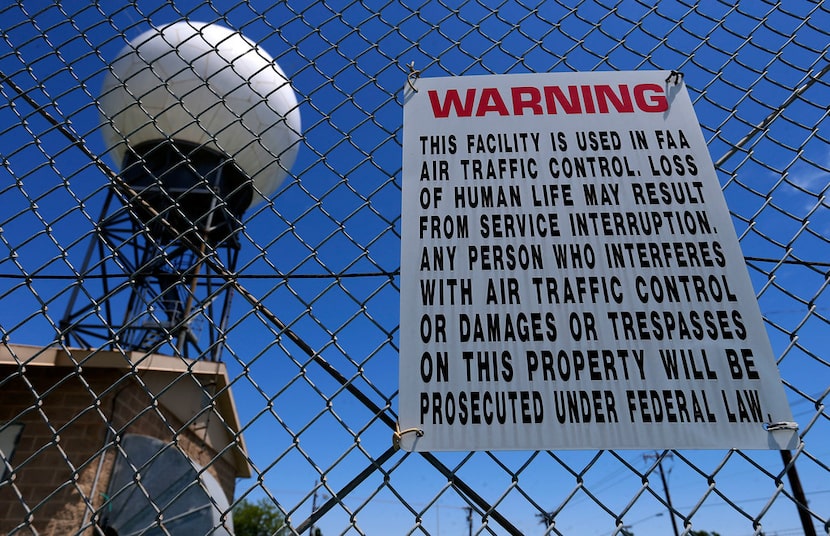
(798, 493)
(313, 529)
(469, 520)
(546, 519)
(659, 459)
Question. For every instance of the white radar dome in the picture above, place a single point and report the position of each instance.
(203, 86)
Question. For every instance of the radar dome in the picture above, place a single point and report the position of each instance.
(201, 97)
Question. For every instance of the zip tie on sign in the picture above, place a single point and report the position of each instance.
(675, 77)
(784, 425)
(412, 76)
(398, 434)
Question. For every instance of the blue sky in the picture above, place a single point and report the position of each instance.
(339, 213)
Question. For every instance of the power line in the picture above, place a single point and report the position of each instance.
(81, 277)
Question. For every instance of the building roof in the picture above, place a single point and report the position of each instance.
(194, 391)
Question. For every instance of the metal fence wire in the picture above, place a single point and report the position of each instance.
(168, 358)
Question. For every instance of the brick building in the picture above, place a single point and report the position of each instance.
(63, 413)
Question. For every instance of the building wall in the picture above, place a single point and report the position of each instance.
(64, 457)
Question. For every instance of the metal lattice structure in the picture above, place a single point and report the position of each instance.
(272, 363)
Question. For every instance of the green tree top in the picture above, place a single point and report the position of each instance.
(261, 518)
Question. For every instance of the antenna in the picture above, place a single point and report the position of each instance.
(149, 475)
(201, 124)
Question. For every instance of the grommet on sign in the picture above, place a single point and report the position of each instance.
(398, 434)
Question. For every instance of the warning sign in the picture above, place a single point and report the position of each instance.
(570, 276)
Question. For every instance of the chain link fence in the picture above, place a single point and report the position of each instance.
(156, 374)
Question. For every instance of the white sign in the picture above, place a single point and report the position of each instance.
(570, 276)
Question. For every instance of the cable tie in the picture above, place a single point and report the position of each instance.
(398, 434)
(675, 77)
(413, 75)
(784, 425)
